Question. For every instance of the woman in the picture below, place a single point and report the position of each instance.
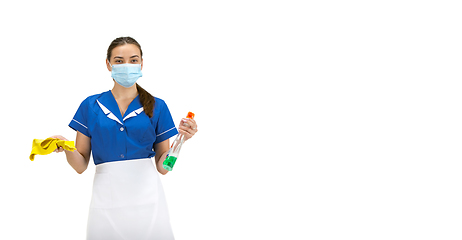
(124, 128)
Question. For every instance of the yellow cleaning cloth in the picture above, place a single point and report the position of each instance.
(47, 146)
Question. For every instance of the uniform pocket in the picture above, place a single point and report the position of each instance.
(141, 129)
(149, 135)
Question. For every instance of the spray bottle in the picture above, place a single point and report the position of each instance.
(174, 151)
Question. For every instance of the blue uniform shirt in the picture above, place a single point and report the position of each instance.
(117, 138)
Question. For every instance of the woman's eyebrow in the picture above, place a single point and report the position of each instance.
(134, 56)
(118, 57)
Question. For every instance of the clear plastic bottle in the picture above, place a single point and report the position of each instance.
(174, 151)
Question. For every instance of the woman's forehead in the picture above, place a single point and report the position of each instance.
(126, 50)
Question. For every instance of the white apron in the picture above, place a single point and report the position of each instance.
(128, 203)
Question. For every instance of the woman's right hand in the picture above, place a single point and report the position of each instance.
(79, 158)
(59, 149)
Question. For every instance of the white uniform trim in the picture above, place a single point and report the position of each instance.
(108, 113)
(166, 131)
(134, 113)
(79, 123)
(105, 110)
(111, 115)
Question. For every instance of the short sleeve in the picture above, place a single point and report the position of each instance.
(165, 128)
(80, 120)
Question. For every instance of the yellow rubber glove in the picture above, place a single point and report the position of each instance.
(47, 146)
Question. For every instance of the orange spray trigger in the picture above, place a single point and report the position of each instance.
(190, 115)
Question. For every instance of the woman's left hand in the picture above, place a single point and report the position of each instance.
(188, 127)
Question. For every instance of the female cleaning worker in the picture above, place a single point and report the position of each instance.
(124, 128)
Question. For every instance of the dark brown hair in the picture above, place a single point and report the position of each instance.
(146, 99)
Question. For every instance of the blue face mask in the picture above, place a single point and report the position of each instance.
(126, 74)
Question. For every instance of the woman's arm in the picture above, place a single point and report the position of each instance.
(188, 127)
(80, 158)
(161, 150)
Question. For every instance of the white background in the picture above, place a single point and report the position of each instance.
(317, 119)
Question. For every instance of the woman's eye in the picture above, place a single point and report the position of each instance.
(135, 60)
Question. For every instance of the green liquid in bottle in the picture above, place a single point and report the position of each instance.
(169, 162)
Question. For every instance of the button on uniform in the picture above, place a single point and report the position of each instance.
(121, 129)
